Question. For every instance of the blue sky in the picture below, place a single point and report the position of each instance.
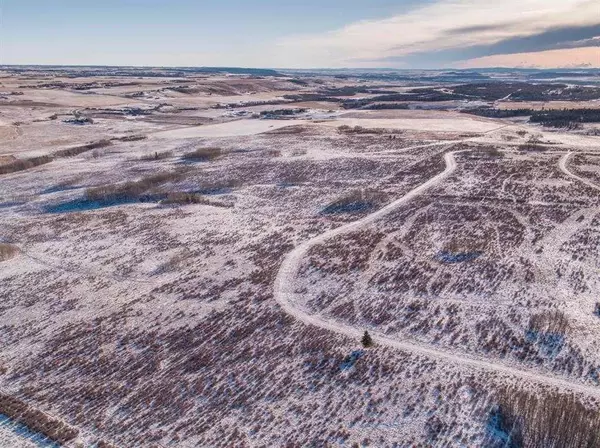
(290, 33)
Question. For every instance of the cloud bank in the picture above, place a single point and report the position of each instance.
(458, 33)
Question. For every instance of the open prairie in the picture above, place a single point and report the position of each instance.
(191, 259)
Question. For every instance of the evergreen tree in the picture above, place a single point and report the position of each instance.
(367, 340)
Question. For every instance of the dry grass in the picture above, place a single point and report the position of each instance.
(203, 154)
(7, 251)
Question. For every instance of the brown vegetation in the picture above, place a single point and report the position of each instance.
(132, 189)
(25, 164)
(203, 154)
(183, 198)
(549, 322)
(37, 421)
(345, 129)
(72, 152)
(550, 420)
(156, 156)
(7, 251)
(130, 138)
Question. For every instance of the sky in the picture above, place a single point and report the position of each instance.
(302, 33)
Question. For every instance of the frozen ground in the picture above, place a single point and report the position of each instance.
(208, 285)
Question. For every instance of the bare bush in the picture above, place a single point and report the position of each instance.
(131, 190)
(533, 144)
(130, 138)
(299, 152)
(7, 251)
(356, 201)
(185, 198)
(72, 152)
(549, 322)
(37, 421)
(273, 153)
(203, 154)
(492, 152)
(345, 129)
(25, 164)
(174, 262)
(156, 156)
(549, 420)
(288, 130)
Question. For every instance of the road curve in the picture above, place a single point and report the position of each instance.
(290, 301)
(563, 165)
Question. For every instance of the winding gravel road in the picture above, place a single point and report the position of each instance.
(291, 302)
(563, 165)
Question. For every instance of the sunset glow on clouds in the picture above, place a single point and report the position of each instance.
(575, 57)
(454, 32)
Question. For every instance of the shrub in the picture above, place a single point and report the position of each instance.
(273, 153)
(37, 421)
(130, 190)
(597, 309)
(24, 164)
(71, 152)
(356, 201)
(367, 340)
(281, 113)
(345, 129)
(185, 198)
(493, 153)
(549, 322)
(549, 420)
(7, 251)
(156, 156)
(130, 138)
(203, 154)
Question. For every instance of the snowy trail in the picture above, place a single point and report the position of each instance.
(291, 302)
(563, 165)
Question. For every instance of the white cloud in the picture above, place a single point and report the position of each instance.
(585, 57)
(439, 26)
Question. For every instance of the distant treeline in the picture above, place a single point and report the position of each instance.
(489, 112)
(565, 118)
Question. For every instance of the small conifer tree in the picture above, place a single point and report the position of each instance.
(367, 340)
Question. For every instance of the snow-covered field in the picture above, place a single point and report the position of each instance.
(208, 285)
